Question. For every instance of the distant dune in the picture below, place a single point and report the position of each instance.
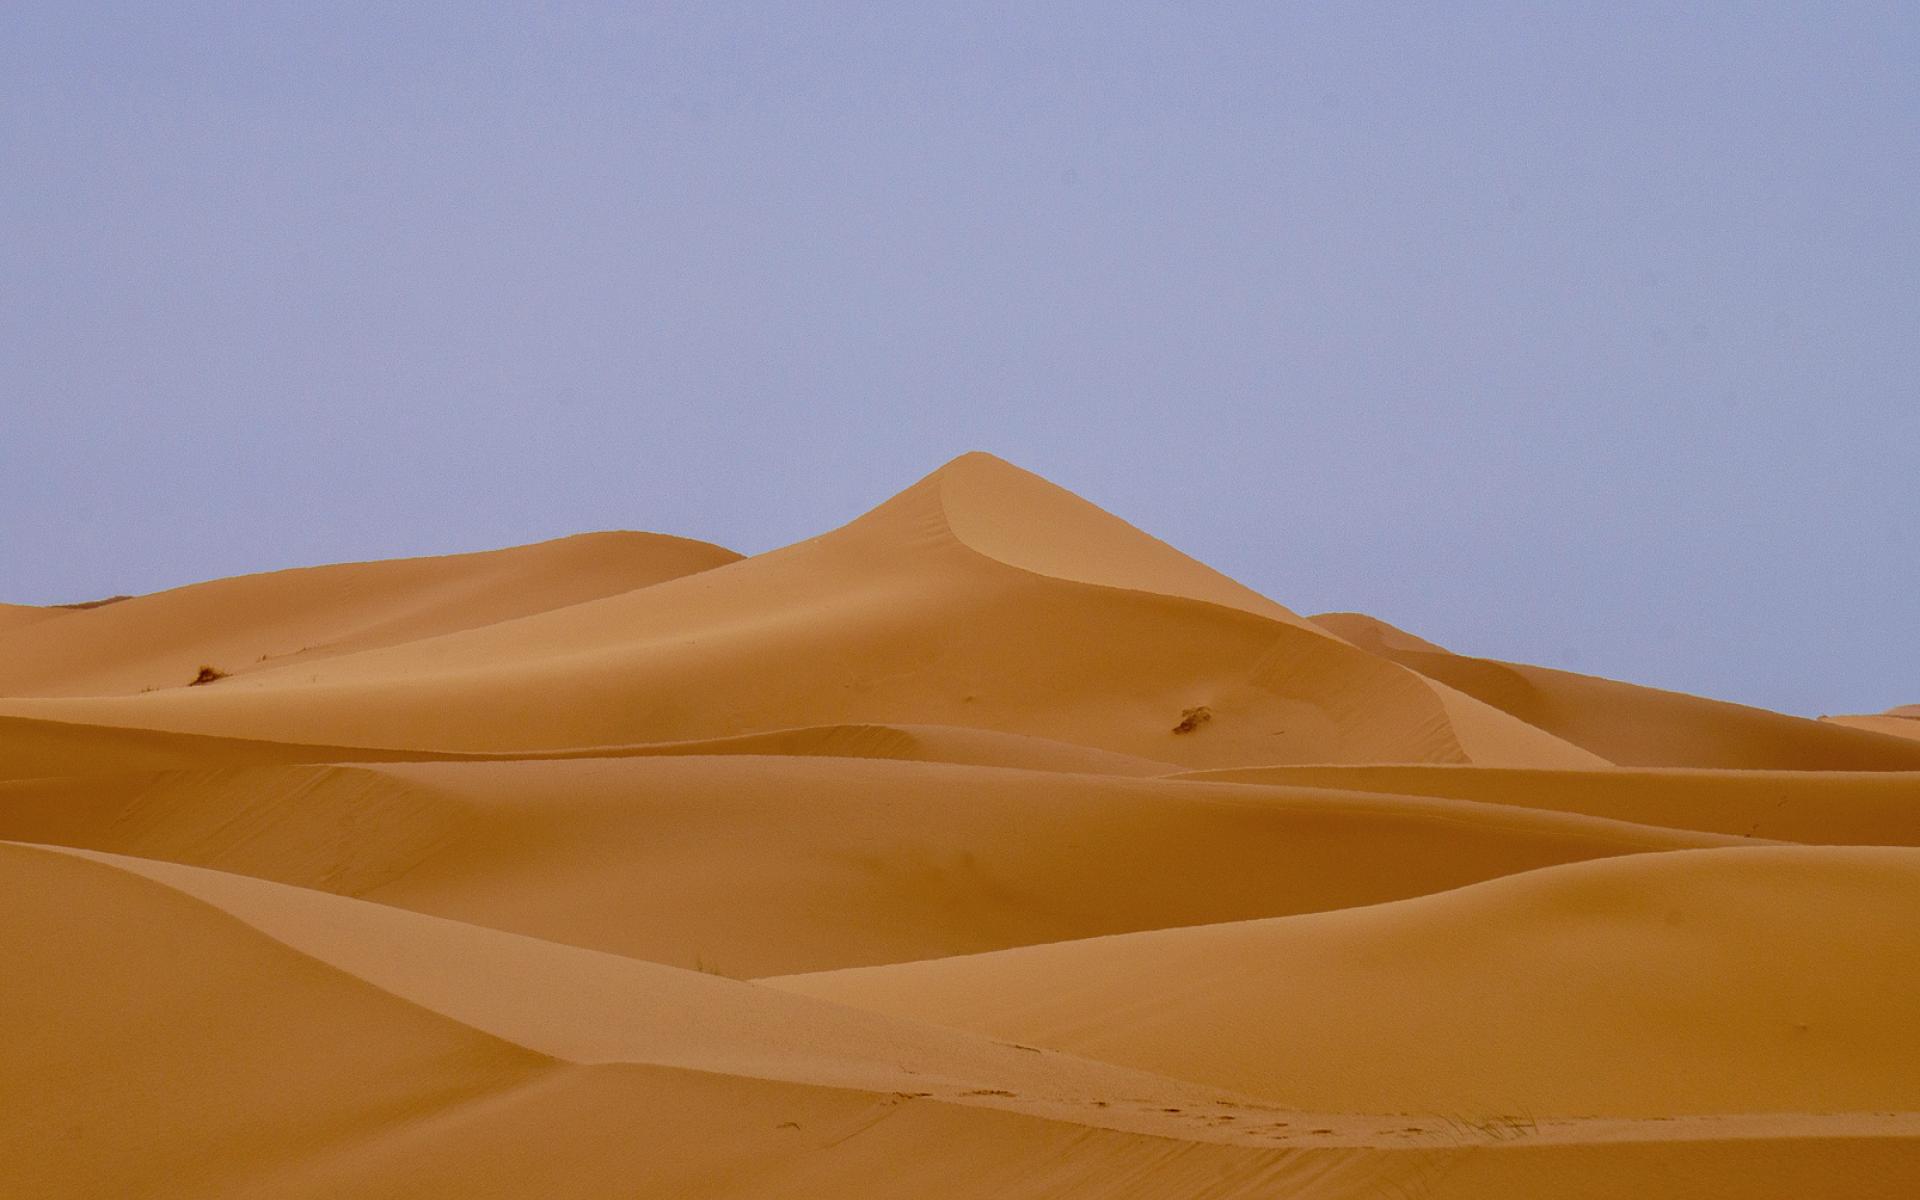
(1634, 726)
(260, 622)
(1903, 721)
(982, 847)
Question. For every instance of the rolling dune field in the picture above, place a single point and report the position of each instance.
(982, 847)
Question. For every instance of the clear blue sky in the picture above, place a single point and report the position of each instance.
(1579, 335)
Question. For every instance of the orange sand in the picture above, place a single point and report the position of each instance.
(983, 847)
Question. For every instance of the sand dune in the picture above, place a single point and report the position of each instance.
(408, 1018)
(1635, 726)
(257, 622)
(985, 846)
(1903, 721)
(1865, 808)
(896, 618)
(33, 748)
(445, 1059)
(919, 743)
(579, 1006)
(1714, 981)
(1374, 635)
(753, 865)
(18, 616)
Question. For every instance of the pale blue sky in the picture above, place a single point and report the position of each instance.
(1585, 335)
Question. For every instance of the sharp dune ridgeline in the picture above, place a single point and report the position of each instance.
(985, 846)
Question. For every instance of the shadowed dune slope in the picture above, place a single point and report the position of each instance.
(1634, 726)
(150, 1043)
(896, 618)
(255, 622)
(754, 865)
(1861, 808)
(1742, 980)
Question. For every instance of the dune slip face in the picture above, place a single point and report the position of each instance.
(985, 846)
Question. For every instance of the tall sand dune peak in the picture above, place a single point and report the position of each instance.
(981, 597)
(1021, 519)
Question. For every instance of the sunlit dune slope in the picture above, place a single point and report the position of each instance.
(1742, 980)
(1630, 725)
(255, 622)
(908, 615)
(755, 865)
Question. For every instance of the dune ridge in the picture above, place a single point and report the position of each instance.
(924, 629)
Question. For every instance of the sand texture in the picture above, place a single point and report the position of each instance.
(982, 847)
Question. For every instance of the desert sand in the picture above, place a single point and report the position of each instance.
(982, 847)
(1900, 721)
